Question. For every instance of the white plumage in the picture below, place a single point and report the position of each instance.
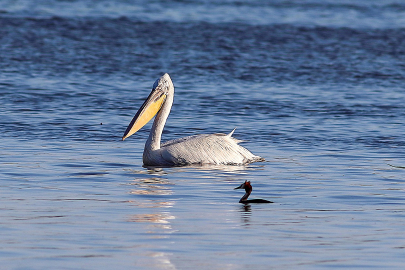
(198, 149)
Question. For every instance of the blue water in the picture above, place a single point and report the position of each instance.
(314, 87)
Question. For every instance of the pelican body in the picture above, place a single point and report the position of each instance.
(201, 149)
(248, 189)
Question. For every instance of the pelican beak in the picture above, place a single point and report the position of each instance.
(241, 186)
(147, 111)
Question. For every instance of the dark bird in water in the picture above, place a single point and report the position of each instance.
(248, 188)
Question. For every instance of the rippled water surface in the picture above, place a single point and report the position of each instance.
(314, 87)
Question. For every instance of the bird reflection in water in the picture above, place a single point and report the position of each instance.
(151, 186)
(246, 213)
(157, 222)
(152, 193)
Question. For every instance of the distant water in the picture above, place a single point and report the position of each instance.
(315, 87)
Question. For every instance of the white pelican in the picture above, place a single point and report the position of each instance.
(201, 149)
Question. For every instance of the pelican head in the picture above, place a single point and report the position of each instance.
(162, 88)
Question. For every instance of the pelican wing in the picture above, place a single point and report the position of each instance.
(206, 149)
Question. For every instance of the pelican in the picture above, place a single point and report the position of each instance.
(215, 149)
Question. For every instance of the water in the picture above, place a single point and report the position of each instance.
(315, 87)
